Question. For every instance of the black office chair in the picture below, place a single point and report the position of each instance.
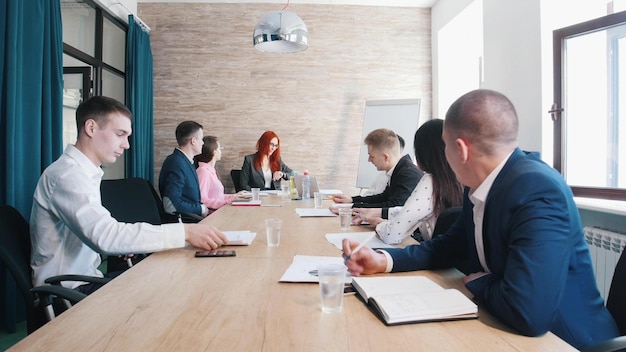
(616, 304)
(443, 223)
(235, 175)
(446, 219)
(43, 302)
(132, 200)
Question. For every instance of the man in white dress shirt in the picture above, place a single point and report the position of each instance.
(69, 226)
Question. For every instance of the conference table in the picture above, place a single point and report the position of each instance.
(172, 301)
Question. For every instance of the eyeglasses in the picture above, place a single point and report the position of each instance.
(275, 146)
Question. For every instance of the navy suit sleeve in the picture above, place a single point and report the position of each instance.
(178, 186)
(444, 251)
(526, 294)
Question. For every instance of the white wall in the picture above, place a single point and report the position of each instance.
(517, 39)
(443, 13)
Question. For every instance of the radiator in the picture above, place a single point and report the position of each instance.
(605, 248)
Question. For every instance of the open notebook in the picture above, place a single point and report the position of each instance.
(413, 299)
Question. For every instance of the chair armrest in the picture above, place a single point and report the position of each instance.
(189, 217)
(614, 344)
(56, 280)
(58, 291)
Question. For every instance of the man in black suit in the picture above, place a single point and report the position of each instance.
(384, 152)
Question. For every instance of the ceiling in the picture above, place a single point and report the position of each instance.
(394, 3)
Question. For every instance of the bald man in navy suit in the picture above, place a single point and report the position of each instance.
(519, 233)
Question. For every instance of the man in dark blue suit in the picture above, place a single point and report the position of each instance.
(178, 180)
(519, 234)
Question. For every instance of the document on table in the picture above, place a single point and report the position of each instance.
(239, 238)
(337, 238)
(245, 202)
(314, 212)
(303, 268)
(248, 194)
(413, 299)
(330, 192)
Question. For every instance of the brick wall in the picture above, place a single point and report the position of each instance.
(206, 69)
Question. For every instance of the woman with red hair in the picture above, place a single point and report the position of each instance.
(264, 169)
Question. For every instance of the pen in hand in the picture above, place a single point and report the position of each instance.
(358, 248)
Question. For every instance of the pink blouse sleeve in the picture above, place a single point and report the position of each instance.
(208, 186)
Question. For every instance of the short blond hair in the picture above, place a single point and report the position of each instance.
(384, 140)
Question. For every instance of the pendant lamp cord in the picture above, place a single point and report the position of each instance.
(287, 4)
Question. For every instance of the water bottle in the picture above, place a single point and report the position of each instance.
(293, 190)
(306, 185)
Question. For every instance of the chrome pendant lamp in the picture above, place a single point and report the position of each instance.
(281, 32)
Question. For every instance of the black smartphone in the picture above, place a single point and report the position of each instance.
(215, 253)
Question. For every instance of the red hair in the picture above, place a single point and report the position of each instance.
(263, 148)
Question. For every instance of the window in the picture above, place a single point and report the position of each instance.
(589, 89)
(94, 56)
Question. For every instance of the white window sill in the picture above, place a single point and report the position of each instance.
(617, 207)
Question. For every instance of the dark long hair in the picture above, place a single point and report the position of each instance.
(263, 148)
(208, 150)
(431, 158)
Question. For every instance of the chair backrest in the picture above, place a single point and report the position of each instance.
(446, 219)
(235, 176)
(616, 302)
(132, 200)
(15, 255)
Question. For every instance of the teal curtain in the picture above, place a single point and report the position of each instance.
(139, 99)
(31, 108)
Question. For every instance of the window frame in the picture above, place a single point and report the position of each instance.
(559, 37)
(97, 62)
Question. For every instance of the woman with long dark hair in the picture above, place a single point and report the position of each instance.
(265, 168)
(436, 191)
(211, 188)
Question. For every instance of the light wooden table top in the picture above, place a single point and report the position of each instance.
(173, 301)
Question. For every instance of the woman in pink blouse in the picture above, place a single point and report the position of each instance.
(211, 188)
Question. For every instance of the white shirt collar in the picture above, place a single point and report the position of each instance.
(84, 162)
(481, 192)
(185, 154)
(390, 172)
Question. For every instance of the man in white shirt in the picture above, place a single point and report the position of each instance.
(69, 226)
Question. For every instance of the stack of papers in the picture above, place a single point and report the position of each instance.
(308, 212)
(246, 202)
(330, 192)
(239, 238)
(304, 268)
(337, 238)
(248, 194)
